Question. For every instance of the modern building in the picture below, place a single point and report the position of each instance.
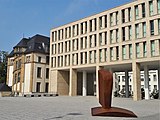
(122, 39)
(28, 66)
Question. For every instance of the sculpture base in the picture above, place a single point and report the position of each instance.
(112, 112)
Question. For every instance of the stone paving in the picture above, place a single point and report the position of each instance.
(71, 108)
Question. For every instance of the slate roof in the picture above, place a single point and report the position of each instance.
(37, 43)
(4, 87)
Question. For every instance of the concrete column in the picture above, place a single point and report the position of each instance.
(84, 92)
(126, 84)
(97, 85)
(146, 82)
(103, 21)
(136, 81)
(84, 28)
(126, 15)
(73, 82)
(93, 25)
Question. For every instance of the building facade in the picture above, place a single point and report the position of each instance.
(122, 39)
(28, 66)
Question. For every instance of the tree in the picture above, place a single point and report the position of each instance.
(3, 66)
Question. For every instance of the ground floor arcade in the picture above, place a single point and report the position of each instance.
(84, 80)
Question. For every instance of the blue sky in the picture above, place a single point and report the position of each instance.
(30, 17)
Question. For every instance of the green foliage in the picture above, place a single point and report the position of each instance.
(3, 66)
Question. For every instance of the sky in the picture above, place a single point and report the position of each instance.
(26, 18)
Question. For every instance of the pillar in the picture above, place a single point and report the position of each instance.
(136, 81)
(97, 85)
(84, 92)
(73, 82)
(146, 82)
(126, 84)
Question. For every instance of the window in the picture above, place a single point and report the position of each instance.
(116, 18)
(152, 48)
(123, 33)
(159, 26)
(144, 49)
(90, 53)
(136, 12)
(152, 27)
(15, 78)
(27, 59)
(47, 73)
(123, 52)
(111, 19)
(39, 59)
(143, 10)
(130, 32)
(100, 38)
(151, 8)
(154, 77)
(123, 16)
(117, 35)
(100, 55)
(144, 29)
(137, 30)
(105, 20)
(117, 53)
(111, 36)
(39, 72)
(94, 55)
(158, 2)
(100, 22)
(123, 79)
(38, 87)
(137, 50)
(111, 53)
(130, 51)
(47, 60)
(129, 14)
(46, 87)
(19, 76)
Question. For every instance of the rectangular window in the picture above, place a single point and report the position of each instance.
(158, 5)
(111, 54)
(47, 73)
(111, 19)
(46, 87)
(105, 20)
(95, 56)
(154, 77)
(143, 10)
(144, 29)
(39, 72)
(144, 49)
(38, 87)
(136, 12)
(111, 36)
(152, 48)
(117, 35)
(100, 22)
(137, 30)
(47, 60)
(123, 15)
(19, 77)
(100, 55)
(130, 32)
(39, 59)
(129, 14)
(159, 26)
(100, 38)
(116, 18)
(152, 27)
(117, 53)
(90, 53)
(130, 51)
(137, 50)
(151, 8)
(123, 52)
(123, 33)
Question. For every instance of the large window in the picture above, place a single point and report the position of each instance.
(123, 52)
(100, 55)
(111, 53)
(137, 50)
(38, 87)
(144, 29)
(123, 15)
(151, 8)
(143, 10)
(152, 48)
(130, 51)
(159, 26)
(130, 32)
(111, 19)
(129, 14)
(152, 27)
(144, 49)
(111, 36)
(38, 72)
(19, 76)
(47, 73)
(136, 12)
(158, 2)
(137, 30)
(39, 59)
(123, 33)
(117, 35)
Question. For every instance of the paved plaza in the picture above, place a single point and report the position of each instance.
(71, 108)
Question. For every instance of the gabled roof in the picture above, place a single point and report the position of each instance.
(4, 87)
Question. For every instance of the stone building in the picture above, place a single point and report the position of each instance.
(123, 39)
(28, 66)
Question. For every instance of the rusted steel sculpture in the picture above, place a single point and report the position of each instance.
(105, 80)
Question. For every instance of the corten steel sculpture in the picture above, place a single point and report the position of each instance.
(105, 80)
